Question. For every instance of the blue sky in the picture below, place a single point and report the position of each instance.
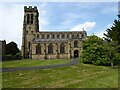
(94, 17)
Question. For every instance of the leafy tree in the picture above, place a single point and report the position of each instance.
(112, 52)
(93, 50)
(113, 44)
(99, 52)
(11, 48)
(113, 33)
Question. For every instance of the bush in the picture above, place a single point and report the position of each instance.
(97, 53)
(116, 59)
(10, 57)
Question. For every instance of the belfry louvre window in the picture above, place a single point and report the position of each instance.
(31, 19)
(50, 48)
(28, 18)
(38, 49)
(62, 48)
(75, 44)
(77, 35)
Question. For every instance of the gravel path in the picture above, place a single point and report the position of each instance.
(72, 62)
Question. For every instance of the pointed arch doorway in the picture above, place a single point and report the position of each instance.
(76, 53)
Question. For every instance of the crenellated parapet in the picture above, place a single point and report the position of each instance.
(30, 9)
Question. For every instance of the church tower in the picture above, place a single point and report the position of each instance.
(30, 28)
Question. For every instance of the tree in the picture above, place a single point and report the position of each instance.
(113, 44)
(99, 52)
(113, 33)
(93, 51)
(12, 49)
(112, 52)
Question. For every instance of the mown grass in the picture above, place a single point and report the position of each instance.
(78, 76)
(26, 63)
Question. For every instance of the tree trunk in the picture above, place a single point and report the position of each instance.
(111, 60)
(112, 64)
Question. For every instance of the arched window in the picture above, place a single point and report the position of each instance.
(72, 35)
(75, 44)
(29, 45)
(38, 49)
(53, 36)
(77, 35)
(31, 19)
(31, 32)
(43, 36)
(68, 36)
(48, 36)
(58, 36)
(28, 18)
(82, 35)
(63, 36)
(50, 48)
(62, 48)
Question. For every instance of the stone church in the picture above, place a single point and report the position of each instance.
(48, 45)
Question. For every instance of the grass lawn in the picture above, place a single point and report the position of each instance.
(26, 63)
(78, 76)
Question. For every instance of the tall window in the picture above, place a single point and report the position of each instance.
(62, 48)
(43, 36)
(77, 35)
(68, 36)
(31, 19)
(48, 36)
(75, 44)
(50, 48)
(29, 45)
(38, 49)
(63, 36)
(53, 36)
(72, 35)
(82, 35)
(58, 36)
(28, 18)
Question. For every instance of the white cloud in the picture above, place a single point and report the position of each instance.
(87, 26)
(101, 33)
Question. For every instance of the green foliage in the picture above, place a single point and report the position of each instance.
(12, 49)
(113, 33)
(98, 52)
(18, 55)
